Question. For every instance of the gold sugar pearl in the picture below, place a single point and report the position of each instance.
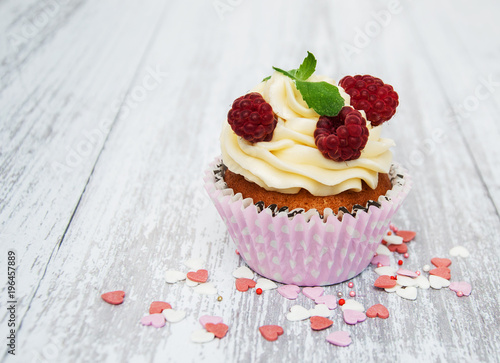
(219, 298)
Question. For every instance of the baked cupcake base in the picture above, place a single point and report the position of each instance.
(303, 247)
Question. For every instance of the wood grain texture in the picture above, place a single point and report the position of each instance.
(164, 74)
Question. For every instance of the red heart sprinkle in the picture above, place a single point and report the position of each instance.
(385, 282)
(157, 307)
(407, 236)
(441, 262)
(113, 297)
(402, 248)
(271, 332)
(200, 276)
(320, 323)
(243, 284)
(219, 330)
(443, 272)
(377, 310)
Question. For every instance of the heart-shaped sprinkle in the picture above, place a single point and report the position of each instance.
(157, 307)
(156, 320)
(320, 323)
(459, 251)
(313, 292)
(443, 272)
(289, 292)
(385, 282)
(329, 300)
(393, 289)
(437, 282)
(265, 284)
(408, 273)
(406, 235)
(297, 313)
(423, 282)
(219, 330)
(409, 293)
(202, 336)
(172, 276)
(385, 270)
(353, 317)
(381, 259)
(194, 263)
(350, 304)
(243, 284)
(406, 281)
(205, 289)
(191, 283)
(205, 319)
(339, 338)
(377, 310)
(271, 332)
(113, 297)
(464, 287)
(402, 248)
(441, 262)
(383, 250)
(200, 276)
(393, 240)
(173, 316)
(243, 272)
(320, 310)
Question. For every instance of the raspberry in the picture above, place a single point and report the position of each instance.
(341, 137)
(252, 118)
(377, 99)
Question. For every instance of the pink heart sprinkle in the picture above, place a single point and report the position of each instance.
(329, 300)
(352, 317)
(289, 292)
(156, 320)
(464, 287)
(382, 259)
(339, 338)
(408, 273)
(313, 292)
(205, 319)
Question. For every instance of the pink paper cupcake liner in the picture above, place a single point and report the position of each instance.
(305, 249)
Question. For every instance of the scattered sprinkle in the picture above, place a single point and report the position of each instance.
(114, 297)
(377, 310)
(219, 330)
(462, 287)
(313, 292)
(157, 307)
(200, 276)
(258, 291)
(271, 332)
(350, 284)
(459, 251)
(340, 338)
(243, 284)
(155, 320)
(352, 317)
(320, 323)
(289, 292)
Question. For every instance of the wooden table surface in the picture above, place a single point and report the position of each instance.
(111, 110)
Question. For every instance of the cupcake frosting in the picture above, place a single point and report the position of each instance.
(291, 160)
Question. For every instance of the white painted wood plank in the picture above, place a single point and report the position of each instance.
(144, 210)
(55, 119)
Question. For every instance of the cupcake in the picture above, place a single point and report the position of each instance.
(306, 184)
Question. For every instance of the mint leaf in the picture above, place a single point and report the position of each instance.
(307, 67)
(290, 74)
(322, 97)
(265, 79)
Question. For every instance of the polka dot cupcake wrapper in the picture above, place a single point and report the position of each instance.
(304, 249)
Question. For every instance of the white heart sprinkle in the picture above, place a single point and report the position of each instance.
(393, 289)
(320, 310)
(383, 250)
(265, 284)
(438, 282)
(297, 313)
(409, 293)
(406, 281)
(194, 264)
(172, 276)
(393, 239)
(459, 251)
(202, 336)
(173, 316)
(385, 270)
(422, 282)
(206, 289)
(191, 283)
(351, 304)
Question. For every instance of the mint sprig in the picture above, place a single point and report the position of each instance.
(322, 97)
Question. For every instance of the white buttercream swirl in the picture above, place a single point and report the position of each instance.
(291, 160)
